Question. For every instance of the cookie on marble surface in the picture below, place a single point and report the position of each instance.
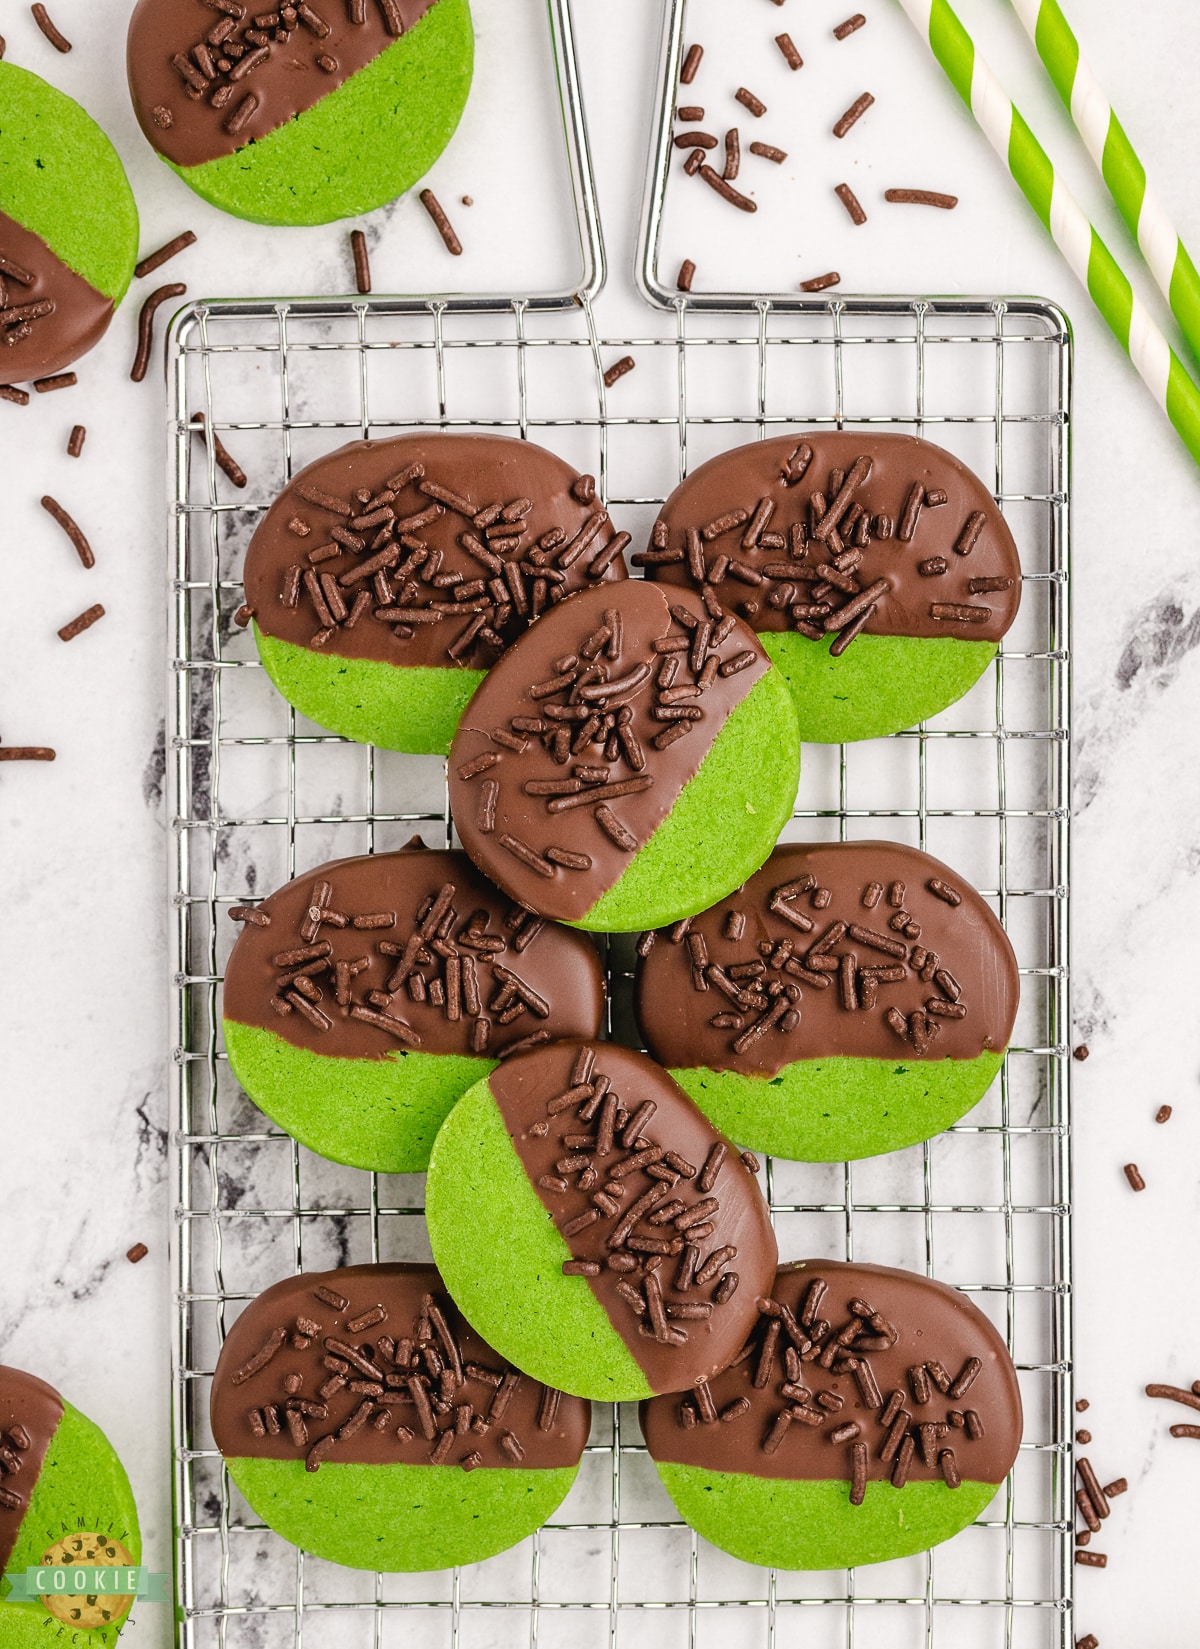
(64, 1499)
(365, 1421)
(629, 760)
(388, 577)
(878, 570)
(363, 998)
(68, 229)
(852, 998)
(872, 1414)
(634, 1238)
(306, 112)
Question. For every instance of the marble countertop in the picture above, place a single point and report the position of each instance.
(85, 840)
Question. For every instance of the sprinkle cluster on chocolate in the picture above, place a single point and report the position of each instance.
(445, 958)
(636, 1207)
(916, 1427)
(219, 67)
(14, 1445)
(815, 579)
(862, 957)
(373, 564)
(18, 317)
(603, 715)
(410, 1380)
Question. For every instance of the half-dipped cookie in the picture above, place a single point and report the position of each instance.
(871, 1414)
(64, 1499)
(305, 112)
(365, 1421)
(68, 229)
(388, 577)
(635, 1238)
(852, 998)
(628, 761)
(877, 569)
(364, 997)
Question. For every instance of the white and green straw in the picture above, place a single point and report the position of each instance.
(1108, 144)
(1090, 260)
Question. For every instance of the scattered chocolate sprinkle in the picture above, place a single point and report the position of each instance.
(75, 444)
(690, 64)
(695, 140)
(851, 202)
(1089, 1642)
(853, 114)
(441, 222)
(149, 309)
(726, 190)
(788, 48)
(84, 622)
(1092, 1486)
(362, 262)
(42, 18)
(687, 273)
(1163, 1114)
(1084, 1437)
(768, 151)
(137, 1253)
(618, 370)
(849, 26)
(1091, 1560)
(969, 536)
(1115, 1488)
(223, 458)
(819, 283)
(920, 197)
(19, 397)
(60, 380)
(25, 753)
(155, 260)
(1135, 1179)
(82, 548)
(748, 101)
(694, 162)
(1175, 1394)
(1082, 1051)
(733, 154)
(1082, 1405)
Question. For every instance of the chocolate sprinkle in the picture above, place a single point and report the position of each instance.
(788, 48)
(362, 262)
(42, 18)
(920, 197)
(441, 222)
(150, 307)
(851, 202)
(853, 115)
(690, 64)
(82, 548)
(84, 622)
(155, 260)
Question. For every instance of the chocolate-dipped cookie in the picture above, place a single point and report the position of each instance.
(388, 577)
(852, 998)
(871, 1414)
(877, 569)
(64, 1499)
(365, 1421)
(629, 760)
(635, 1238)
(68, 229)
(303, 113)
(364, 997)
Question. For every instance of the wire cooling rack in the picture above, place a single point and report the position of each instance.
(259, 794)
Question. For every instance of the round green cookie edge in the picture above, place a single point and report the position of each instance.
(841, 1108)
(380, 1114)
(328, 162)
(791, 1523)
(81, 1467)
(52, 187)
(413, 708)
(477, 1185)
(879, 685)
(746, 786)
(401, 1519)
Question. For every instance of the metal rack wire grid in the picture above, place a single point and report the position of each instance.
(259, 795)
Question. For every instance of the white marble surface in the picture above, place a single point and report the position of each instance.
(82, 940)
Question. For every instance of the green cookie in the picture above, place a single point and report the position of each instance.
(880, 685)
(841, 1108)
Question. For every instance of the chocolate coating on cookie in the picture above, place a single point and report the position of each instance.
(811, 532)
(366, 956)
(870, 949)
(373, 1365)
(427, 549)
(192, 65)
(577, 745)
(903, 1368)
(666, 1219)
(30, 1411)
(49, 315)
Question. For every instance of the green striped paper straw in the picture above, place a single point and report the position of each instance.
(1090, 260)
(1108, 144)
